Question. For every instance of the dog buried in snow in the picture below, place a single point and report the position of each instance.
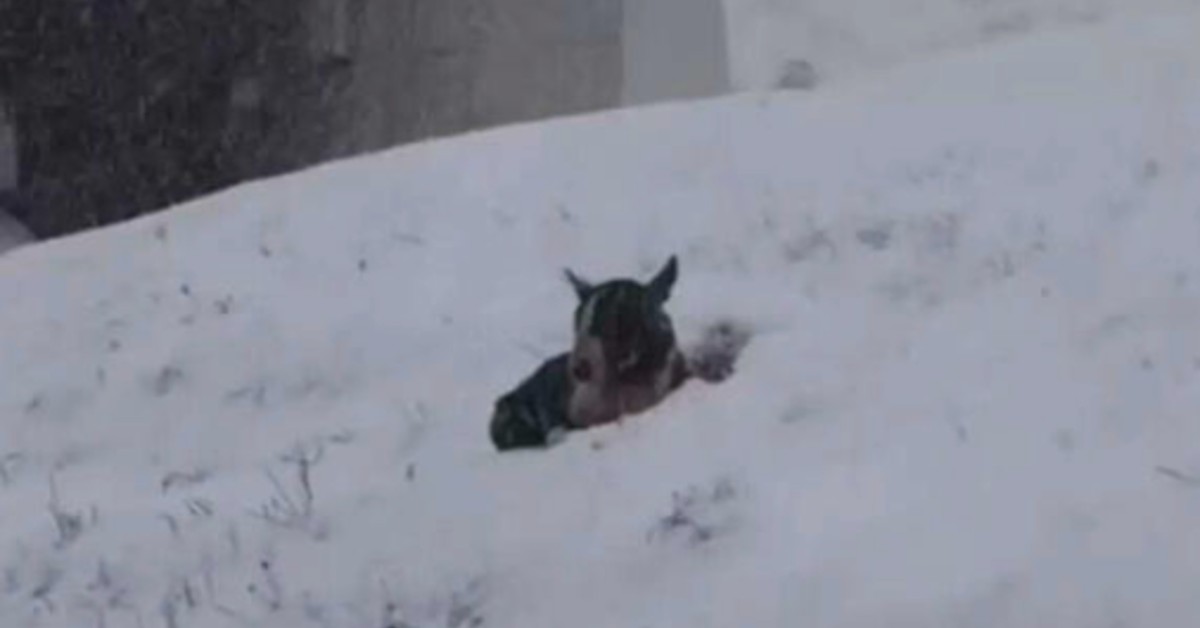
(624, 361)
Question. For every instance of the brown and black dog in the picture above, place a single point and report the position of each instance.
(624, 360)
(625, 357)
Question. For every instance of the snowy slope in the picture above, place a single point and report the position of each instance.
(971, 397)
(849, 39)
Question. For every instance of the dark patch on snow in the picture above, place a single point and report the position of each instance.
(797, 74)
(341, 437)
(805, 246)
(68, 524)
(877, 237)
(1001, 266)
(1150, 171)
(167, 379)
(199, 507)
(907, 289)
(223, 306)
(798, 411)
(942, 233)
(9, 464)
(256, 393)
(1064, 439)
(1186, 479)
(464, 608)
(1114, 324)
(1181, 280)
(698, 515)
(715, 356)
(1006, 25)
(183, 479)
(408, 238)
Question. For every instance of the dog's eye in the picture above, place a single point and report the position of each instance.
(581, 370)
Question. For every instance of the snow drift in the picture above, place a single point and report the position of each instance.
(848, 40)
(970, 398)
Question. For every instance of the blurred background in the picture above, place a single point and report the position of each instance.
(113, 108)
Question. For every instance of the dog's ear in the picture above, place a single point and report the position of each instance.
(582, 287)
(660, 286)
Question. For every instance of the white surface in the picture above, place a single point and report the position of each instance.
(953, 424)
(846, 39)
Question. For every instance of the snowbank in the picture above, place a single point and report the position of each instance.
(970, 399)
(844, 39)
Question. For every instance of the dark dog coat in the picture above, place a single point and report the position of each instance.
(534, 414)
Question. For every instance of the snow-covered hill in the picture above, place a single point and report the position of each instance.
(970, 399)
(845, 40)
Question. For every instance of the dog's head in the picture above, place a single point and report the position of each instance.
(622, 330)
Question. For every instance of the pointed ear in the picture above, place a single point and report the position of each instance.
(582, 286)
(660, 286)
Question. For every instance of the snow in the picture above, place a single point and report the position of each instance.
(845, 40)
(970, 397)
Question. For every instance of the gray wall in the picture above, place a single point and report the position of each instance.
(331, 78)
(674, 49)
(12, 233)
(422, 68)
(8, 152)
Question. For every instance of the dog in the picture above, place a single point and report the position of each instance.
(534, 414)
(624, 360)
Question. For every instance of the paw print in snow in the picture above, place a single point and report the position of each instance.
(713, 359)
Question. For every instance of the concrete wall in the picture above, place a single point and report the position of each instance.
(343, 77)
(12, 233)
(674, 49)
(8, 152)
(421, 68)
(415, 69)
